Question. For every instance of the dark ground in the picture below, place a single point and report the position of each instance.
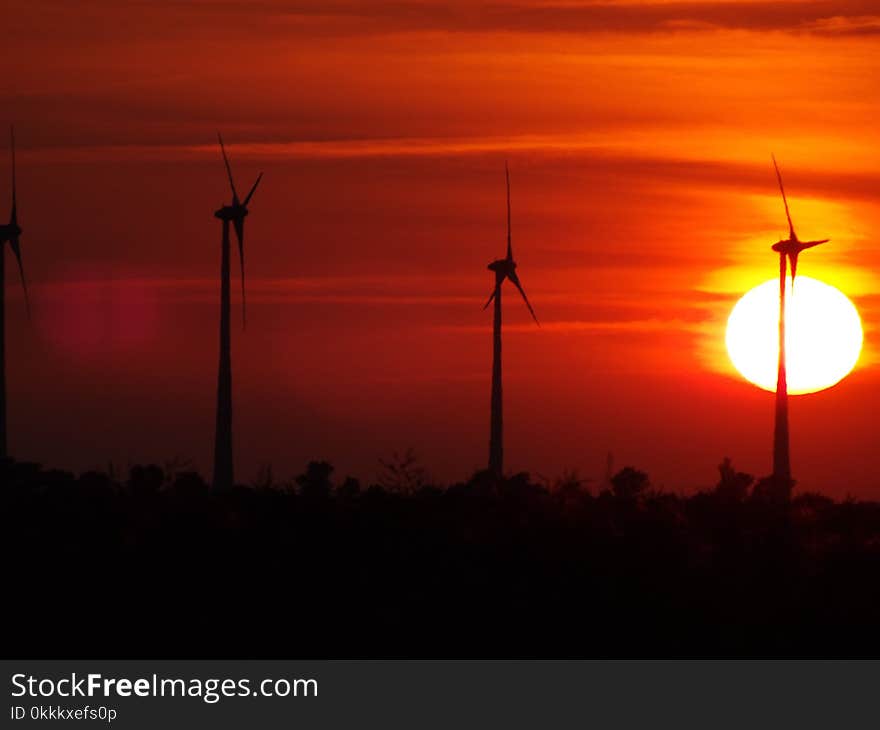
(156, 565)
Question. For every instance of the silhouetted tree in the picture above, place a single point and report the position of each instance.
(315, 483)
(189, 484)
(570, 485)
(265, 478)
(519, 486)
(145, 480)
(809, 507)
(389, 573)
(174, 466)
(96, 483)
(629, 483)
(402, 473)
(349, 489)
(733, 485)
(773, 490)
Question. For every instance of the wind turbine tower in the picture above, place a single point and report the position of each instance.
(9, 233)
(788, 251)
(223, 478)
(504, 269)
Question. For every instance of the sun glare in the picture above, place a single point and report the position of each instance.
(823, 335)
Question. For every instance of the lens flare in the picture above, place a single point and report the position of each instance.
(823, 335)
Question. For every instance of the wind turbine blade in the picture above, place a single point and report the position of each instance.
(810, 244)
(515, 279)
(793, 257)
(509, 245)
(228, 168)
(239, 234)
(14, 216)
(784, 199)
(253, 190)
(16, 249)
(491, 296)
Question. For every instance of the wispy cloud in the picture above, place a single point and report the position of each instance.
(834, 167)
(529, 16)
(212, 18)
(845, 25)
(650, 325)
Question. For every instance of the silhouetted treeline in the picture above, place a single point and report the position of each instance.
(154, 564)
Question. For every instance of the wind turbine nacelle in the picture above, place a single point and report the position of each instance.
(231, 212)
(792, 245)
(502, 266)
(9, 232)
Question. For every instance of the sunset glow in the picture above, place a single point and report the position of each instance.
(445, 328)
(638, 136)
(823, 342)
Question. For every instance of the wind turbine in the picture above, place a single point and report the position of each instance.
(8, 233)
(504, 269)
(223, 472)
(788, 251)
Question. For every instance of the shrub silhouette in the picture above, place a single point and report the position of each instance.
(349, 489)
(629, 483)
(773, 490)
(145, 480)
(733, 485)
(315, 482)
(402, 473)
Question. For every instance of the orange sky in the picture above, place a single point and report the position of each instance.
(639, 138)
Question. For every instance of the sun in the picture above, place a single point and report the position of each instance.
(823, 335)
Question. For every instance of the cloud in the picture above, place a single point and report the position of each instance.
(843, 25)
(832, 17)
(639, 155)
(353, 17)
(649, 325)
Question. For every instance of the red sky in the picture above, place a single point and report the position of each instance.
(639, 138)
